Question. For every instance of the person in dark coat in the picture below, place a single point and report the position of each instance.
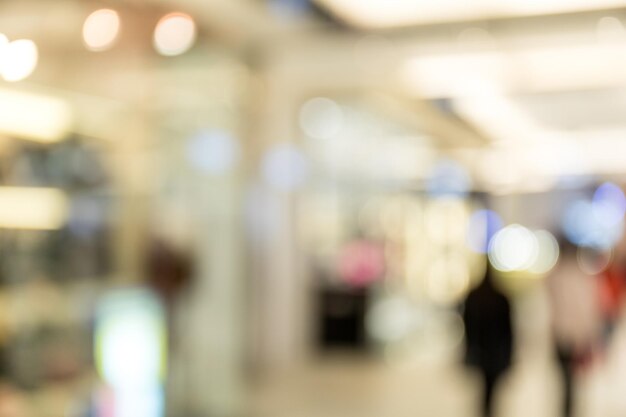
(488, 336)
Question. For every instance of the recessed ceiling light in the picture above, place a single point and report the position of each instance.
(174, 34)
(386, 13)
(101, 29)
(18, 59)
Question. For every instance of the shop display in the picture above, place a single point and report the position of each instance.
(48, 278)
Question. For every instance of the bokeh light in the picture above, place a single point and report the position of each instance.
(585, 224)
(578, 222)
(284, 167)
(482, 226)
(174, 34)
(391, 320)
(514, 248)
(18, 59)
(131, 351)
(321, 118)
(548, 252)
(361, 263)
(448, 279)
(445, 221)
(101, 29)
(609, 204)
(449, 179)
(593, 261)
(214, 152)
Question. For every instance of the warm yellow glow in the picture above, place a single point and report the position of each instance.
(548, 253)
(389, 13)
(32, 116)
(455, 75)
(498, 117)
(445, 220)
(32, 208)
(18, 59)
(175, 34)
(447, 279)
(101, 29)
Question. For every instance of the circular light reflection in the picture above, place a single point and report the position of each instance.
(514, 248)
(593, 224)
(592, 261)
(101, 29)
(448, 279)
(445, 221)
(449, 179)
(18, 59)
(214, 152)
(548, 252)
(609, 204)
(321, 118)
(284, 167)
(361, 263)
(174, 34)
(391, 320)
(482, 226)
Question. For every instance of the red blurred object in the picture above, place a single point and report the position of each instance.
(612, 292)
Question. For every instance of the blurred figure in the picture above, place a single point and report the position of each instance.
(576, 319)
(489, 336)
(168, 269)
(612, 292)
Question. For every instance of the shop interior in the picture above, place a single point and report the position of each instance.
(267, 208)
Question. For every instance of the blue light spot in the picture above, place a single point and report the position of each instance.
(214, 152)
(482, 226)
(449, 179)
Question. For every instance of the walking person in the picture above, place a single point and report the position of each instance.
(488, 336)
(575, 320)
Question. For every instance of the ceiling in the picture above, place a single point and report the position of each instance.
(507, 74)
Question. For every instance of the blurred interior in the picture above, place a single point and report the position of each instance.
(269, 208)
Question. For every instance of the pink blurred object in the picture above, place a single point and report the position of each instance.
(361, 263)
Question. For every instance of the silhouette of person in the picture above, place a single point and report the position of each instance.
(575, 318)
(488, 336)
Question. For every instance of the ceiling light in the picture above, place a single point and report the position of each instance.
(175, 34)
(18, 59)
(385, 13)
(101, 29)
(514, 248)
(533, 69)
(32, 116)
(498, 117)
